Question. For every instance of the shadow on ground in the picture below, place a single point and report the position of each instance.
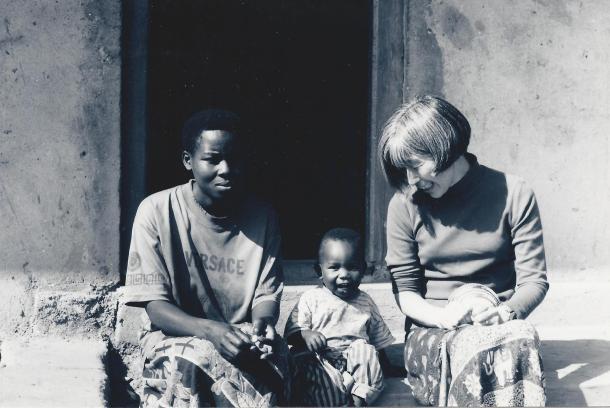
(573, 368)
(395, 354)
(120, 393)
(577, 373)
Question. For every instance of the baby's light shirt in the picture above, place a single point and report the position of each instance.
(340, 321)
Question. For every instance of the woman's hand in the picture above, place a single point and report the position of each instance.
(264, 329)
(264, 317)
(425, 314)
(314, 341)
(454, 314)
(493, 315)
(263, 337)
(229, 340)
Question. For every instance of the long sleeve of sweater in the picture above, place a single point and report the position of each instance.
(401, 258)
(486, 229)
(528, 244)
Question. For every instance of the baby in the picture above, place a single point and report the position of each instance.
(336, 330)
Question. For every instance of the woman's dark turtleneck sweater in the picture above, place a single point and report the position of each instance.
(485, 229)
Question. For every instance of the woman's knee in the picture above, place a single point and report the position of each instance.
(522, 328)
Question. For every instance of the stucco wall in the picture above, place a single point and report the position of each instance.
(533, 77)
(59, 152)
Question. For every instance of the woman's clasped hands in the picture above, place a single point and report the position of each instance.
(492, 315)
(456, 314)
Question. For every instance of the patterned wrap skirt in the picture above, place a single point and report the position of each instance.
(476, 365)
(189, 372)
(331, 377)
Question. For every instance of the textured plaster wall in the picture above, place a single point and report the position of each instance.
(533, 77)
(59, 157)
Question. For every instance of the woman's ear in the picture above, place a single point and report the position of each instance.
(187, 160)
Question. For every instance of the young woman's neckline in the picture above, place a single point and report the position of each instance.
(201, 215)
(200, 206)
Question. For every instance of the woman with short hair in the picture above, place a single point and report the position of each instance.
(451, 222)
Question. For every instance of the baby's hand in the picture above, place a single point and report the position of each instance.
(230, 341)
(315, 341)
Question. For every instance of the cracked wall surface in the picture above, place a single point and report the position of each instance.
(532, 76)
(59, 157)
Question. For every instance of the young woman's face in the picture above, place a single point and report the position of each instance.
(217, 167)
(422, 175)
(341, 269)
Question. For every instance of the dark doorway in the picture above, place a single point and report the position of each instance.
(298, 73)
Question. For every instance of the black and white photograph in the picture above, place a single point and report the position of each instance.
(257, 203)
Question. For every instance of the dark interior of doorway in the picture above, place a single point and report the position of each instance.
(298, 73)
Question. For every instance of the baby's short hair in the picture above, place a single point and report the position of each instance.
(346, 235)
(209, 119)
(427, 127)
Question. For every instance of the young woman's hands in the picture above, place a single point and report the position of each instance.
(493, 315)
(264, 328)
(229, 340)
(264, 317)
(314, 341)
(454, 314)
(263, 337)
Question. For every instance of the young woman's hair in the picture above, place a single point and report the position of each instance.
(209, 119)
(346, 235)
(427, 127)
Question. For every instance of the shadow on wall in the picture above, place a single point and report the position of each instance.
(425, 57)
(572, 364)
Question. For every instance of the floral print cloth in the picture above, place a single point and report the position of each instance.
(476, 365)
(189, 372)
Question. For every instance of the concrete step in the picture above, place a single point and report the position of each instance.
(52, 372)
(396, 394)
(301, 272)
(577, 364)
(573, 323)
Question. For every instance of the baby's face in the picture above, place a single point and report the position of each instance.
(341, 269)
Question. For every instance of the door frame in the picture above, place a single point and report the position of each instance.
(389, 60)
(388, 89)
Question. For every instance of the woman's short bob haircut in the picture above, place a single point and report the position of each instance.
(428, 127)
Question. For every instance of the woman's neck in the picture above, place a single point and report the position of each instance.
(209, 206)
(460, 168)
